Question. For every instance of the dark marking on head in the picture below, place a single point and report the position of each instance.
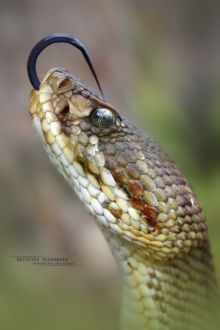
(135, 188)
(120, 175)
(65, 120)
(150, 214)
(137, 202)
(116, 212)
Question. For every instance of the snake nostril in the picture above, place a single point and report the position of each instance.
(66, 83)
(65, 110)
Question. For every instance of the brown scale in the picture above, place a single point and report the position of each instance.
(65, 121)
(85, 126)
(116, 212)
(188, 210)
(135, 188)
(137, 202)
(183, 200)
(130, 156)
(120, 160)
(109, 149)
(80, 154)
(150, 214)
(132, 171)
(110, 163)
(120, 176)
(167, 180)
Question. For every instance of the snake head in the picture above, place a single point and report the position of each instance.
(134, 190)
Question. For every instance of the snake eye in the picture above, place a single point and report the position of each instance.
(103, 118)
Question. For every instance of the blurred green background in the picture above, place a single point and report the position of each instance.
(158, 62)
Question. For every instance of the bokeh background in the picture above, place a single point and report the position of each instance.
(158, 62)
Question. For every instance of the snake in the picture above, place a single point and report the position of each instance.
(140, 199)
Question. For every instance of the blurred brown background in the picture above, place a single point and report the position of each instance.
(158, 62)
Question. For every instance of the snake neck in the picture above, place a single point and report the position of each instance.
(174, 295)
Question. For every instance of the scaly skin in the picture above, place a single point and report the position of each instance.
(140, 199)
